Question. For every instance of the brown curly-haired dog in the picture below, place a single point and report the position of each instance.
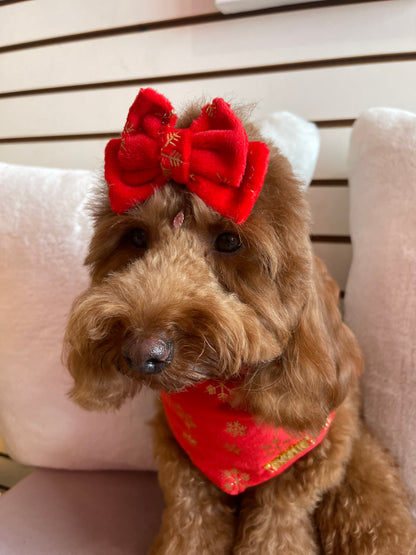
(174, 303)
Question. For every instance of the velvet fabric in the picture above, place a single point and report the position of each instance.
(213, 158)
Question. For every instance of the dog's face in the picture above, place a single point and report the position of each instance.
(180, 294)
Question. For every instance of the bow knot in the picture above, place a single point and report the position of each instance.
(213, 157)
(175, 155)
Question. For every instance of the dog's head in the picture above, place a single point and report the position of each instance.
(180, 294)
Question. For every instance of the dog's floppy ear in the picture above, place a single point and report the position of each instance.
(322, 359)
(88, 356)
(318, 367)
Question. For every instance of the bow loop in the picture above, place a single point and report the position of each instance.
(148, 114)
(219, 157)
(213, 158)
(220, 143)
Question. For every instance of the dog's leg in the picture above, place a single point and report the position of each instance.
(368, 512)
(199, 518)
(276, 519)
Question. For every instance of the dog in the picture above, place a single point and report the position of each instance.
(204, 287)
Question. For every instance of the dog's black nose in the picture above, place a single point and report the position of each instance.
(148, 355)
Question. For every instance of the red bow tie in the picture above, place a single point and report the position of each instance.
(213, 157)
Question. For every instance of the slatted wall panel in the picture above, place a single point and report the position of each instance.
(69, 70)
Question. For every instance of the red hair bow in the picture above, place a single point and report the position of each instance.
(213, 157)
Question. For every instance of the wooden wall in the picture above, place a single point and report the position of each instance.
(69, 70)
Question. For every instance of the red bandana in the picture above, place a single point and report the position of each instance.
(213, 157)
(226, 444)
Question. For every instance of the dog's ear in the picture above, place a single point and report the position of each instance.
(97, 384)
(322, 360)
(318, 368)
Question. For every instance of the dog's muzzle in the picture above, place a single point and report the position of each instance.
(148, 355)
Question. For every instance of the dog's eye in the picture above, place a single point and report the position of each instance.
(228, 242)
(137, 238)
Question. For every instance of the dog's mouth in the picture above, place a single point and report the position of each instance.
(165, 379)
(168, 375)
(171, 358)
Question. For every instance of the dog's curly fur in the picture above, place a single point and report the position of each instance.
(270, 307)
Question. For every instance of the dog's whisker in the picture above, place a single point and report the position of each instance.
(257, 389)
(204, 373)
(204, 347)
(199, 371)
(248, 382)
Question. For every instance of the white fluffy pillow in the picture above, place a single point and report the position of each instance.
(44, 234)
(380, 303)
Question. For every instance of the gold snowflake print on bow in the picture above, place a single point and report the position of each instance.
(175, 158)
(223, 180)
(210, 110)
(172, 139)
(128, 128)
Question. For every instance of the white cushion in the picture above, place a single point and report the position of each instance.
(380, 303)
(44, 234)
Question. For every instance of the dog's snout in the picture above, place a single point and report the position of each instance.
(148, 355)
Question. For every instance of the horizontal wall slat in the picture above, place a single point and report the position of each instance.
(68, 17)
(332, 93)
(221, 74)
(337, 258)
(333, 157)
(344, 31)
(330, 210)
(88, 154)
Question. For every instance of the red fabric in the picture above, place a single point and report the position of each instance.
(213, 157)
(226, 444)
